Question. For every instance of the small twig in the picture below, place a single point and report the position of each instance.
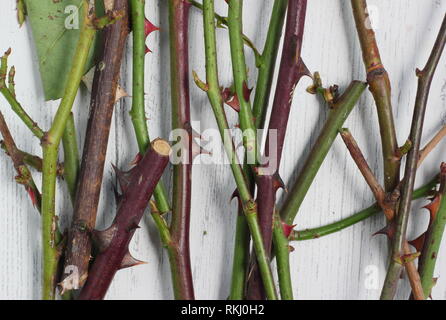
(31, 160)
(431, 145)
(425, 77)
(316, 233)
(24, 175)
(9, 95)
(363, 166)
(380, 197)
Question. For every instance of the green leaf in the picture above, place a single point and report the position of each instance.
(55, 26)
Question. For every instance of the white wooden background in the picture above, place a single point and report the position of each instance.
(339, 266)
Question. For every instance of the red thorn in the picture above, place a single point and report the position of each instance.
(303, 70)
(433, 207)
(123, 178)
(133, 227)
(231, 99)
(128, 261)
(149, 27)
(198, 150)
(148, 50)
(287, 229)
(32, 195)
(278, 183)
(418, 243)
(136, 160)
(246, 91)
(388, 230)
(236, 194)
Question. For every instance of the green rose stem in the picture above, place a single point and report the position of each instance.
(339, 112)
(315, 233)
(240, 75)
(180, 270)
(425, 77)
(432, 238)
(103, 99)
(379, 86)
(50, 145)
(182, 172)
(223, 22)
(137, 112)
(215, 97)
(71, 156)
(266, 64)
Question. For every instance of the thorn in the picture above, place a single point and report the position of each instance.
(290, 248)
(147, 50)
(123, 178)
(118, 196)
(200, 84)
(120, 93)
(418, 72)
(128, 261)
(7, 53)
(287, 229)
(32, 195)
(303, 70)
(278, 183)
(149, 27)
(198, 150)
(87, 79)
(246, 91)
(418, 243)
(136, 160)
(434, 282)
(231, 99)
(388, 230)
(433, 207)
(102, 239)
(133, 227)
(236, 194)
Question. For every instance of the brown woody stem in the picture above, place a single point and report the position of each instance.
(379, 86)
(93, 158)
(425, 77)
